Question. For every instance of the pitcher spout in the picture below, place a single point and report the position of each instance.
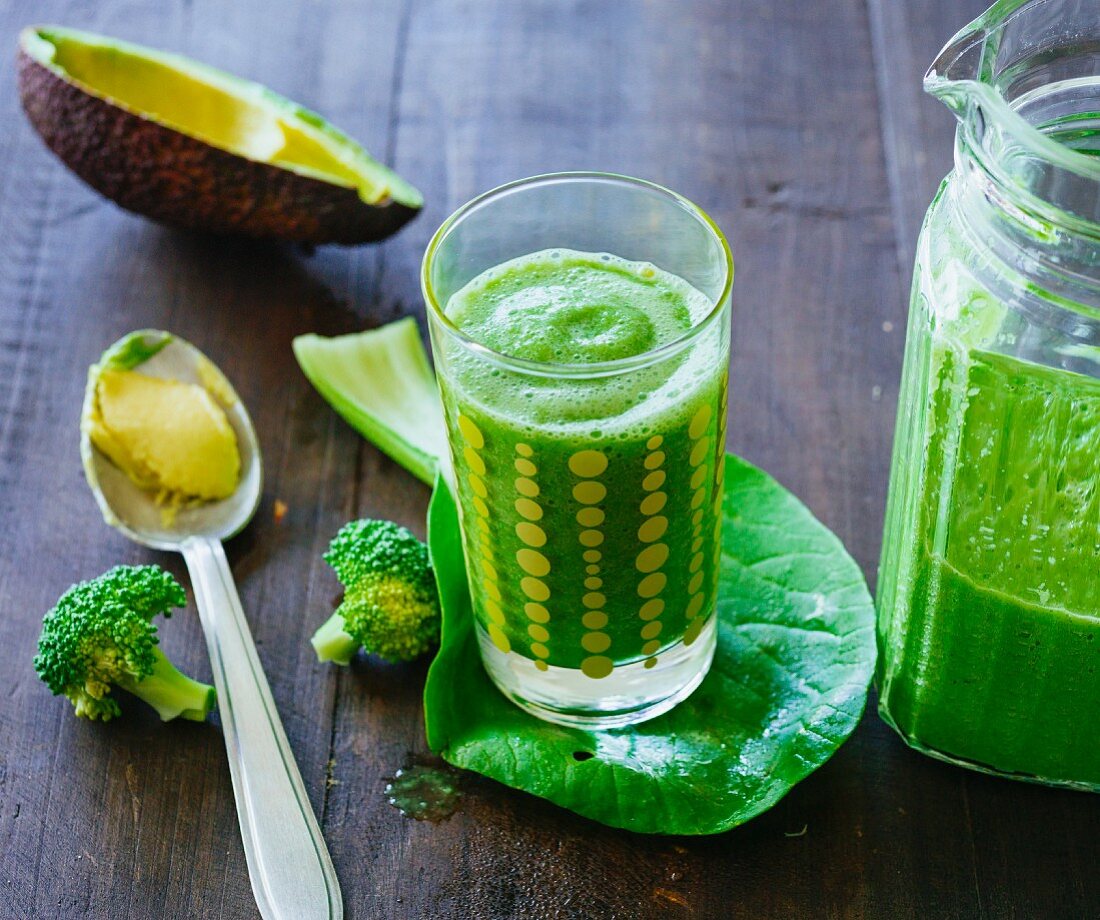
(955, 75)
(1023, 80)
(968, 63)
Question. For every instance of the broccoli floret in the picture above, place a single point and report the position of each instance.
(100, 634)
(390, 606)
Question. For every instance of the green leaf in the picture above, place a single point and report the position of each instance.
(382, 385)
(795, 655)
(789, 681)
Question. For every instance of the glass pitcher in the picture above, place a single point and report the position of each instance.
(989, 583)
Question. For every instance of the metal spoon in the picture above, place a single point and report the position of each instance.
(288, 864)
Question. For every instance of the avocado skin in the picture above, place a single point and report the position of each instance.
(168, 176)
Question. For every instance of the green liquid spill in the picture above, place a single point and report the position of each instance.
(424, 793)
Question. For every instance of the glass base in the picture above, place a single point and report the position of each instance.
(979, 767)
(630, 694)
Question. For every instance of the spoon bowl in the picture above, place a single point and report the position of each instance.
(133, 510)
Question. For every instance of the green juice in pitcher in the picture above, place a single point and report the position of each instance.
(989, 587)
(590, 503)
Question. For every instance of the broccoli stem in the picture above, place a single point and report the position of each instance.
(171, 692)
(331, 643)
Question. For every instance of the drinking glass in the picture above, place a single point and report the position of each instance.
(589, 494)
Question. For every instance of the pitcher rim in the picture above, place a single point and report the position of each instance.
(966, 90)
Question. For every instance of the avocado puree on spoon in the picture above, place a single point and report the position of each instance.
(169, 437)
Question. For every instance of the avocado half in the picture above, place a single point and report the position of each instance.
(183, 143)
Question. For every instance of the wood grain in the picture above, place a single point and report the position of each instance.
(801, 128)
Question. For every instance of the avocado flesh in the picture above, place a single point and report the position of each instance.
(227, 112)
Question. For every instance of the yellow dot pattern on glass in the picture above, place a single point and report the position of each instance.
(496, 634)
(652, 558)
(527, 487)
(531, 534)
(701, 449)
(653, 529)
(590, 517)
(719, 485)
(594, 619)
(652, 555)
(652, 504)
(528, 509)
(471, 433)
(596, 642)
(474, 461)
(590, 493)
(698, 426)
(535, 589)
(531, 562)
(482, 551)
(588, 466)
(597, 666)
(536, 612)
(495, 611)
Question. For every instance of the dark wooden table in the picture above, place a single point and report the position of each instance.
(801, 127)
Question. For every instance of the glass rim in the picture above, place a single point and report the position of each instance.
(574, 369)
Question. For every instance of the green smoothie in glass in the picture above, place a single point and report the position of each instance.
(594, 534)
(580, 333)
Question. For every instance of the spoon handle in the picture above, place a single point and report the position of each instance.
(288, 864)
